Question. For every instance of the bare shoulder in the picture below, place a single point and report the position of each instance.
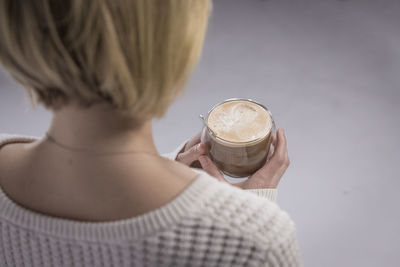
(13, 152)
(9, 156)
(12, 159)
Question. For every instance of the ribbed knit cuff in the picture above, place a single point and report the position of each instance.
(268, 193)
(172, 155)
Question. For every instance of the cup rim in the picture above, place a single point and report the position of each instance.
(272, 126)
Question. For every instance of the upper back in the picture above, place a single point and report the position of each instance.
(87, 189)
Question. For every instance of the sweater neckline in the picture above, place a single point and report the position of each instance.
(189, 201)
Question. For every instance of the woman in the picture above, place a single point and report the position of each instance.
(94, 191)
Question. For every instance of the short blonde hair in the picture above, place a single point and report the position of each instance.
(134, 54)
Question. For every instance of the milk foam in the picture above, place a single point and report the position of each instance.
(239, 121)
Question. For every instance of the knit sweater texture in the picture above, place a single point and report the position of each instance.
(210, 223)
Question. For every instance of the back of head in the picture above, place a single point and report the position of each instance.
(133, 54)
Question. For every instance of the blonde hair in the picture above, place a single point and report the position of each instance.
(133, 54)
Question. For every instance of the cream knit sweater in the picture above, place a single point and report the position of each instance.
(209, 224)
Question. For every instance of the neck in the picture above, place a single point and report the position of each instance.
(101, 128)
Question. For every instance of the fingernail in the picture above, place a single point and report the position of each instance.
(198, 147)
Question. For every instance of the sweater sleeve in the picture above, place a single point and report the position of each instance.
(285, 251)
(268, 193)
(278, 235)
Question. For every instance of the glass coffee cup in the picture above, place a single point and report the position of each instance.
(238, 134)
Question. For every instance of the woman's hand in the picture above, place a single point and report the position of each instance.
(268, 176)
(191, 152)
(271, 173)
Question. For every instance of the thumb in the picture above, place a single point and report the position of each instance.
(191, 155)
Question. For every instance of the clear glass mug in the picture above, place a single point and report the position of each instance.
(237, 159)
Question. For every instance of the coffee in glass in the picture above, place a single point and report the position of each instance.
(238, 134)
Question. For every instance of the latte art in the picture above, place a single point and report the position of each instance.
(238, 134)
(239, 121)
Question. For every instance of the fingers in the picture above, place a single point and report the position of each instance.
(280, 157)
(210, 168)
(191, 151)
(270, 153)
(191, 155)
(274, 139)
(192, 142)
(270, 174)
(272, 146)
